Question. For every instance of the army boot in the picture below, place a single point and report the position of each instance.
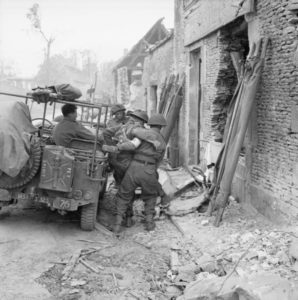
(129, 222)
(117, 226)
(149, 223)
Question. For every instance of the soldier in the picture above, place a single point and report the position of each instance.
(121, 161)
(69, 128)
(148, 146)
(118, 116)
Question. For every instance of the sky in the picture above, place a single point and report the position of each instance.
(106, 27)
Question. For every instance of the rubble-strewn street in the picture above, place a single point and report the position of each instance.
(38, 248)
(149, 150)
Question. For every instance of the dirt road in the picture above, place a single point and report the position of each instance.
(29, 241)
(36, 245)
(33, 243)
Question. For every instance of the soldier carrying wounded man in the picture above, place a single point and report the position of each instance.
(148, 148)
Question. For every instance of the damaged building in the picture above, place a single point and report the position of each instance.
(209, 45)
(129, 69)
(210, 36)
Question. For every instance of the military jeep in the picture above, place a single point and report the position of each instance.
(64, 179)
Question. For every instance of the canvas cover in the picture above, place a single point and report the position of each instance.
(15, 127)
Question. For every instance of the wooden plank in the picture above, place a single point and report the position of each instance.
(71, 264)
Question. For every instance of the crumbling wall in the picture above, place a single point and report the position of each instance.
(218, 82)
(158, 65)
(180, 67)
(274, 176)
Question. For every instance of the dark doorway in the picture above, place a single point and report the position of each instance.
(195, 87)
(153, 99)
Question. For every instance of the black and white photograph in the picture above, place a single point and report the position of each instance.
(148, 150)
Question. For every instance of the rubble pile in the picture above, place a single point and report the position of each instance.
(242, 253)
(185, 258)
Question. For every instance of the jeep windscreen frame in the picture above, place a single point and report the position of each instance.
(98, 107)
(81, 103)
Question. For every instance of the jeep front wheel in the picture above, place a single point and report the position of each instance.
(88, 216)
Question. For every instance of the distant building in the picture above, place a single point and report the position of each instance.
(158, 65)
(128, 71)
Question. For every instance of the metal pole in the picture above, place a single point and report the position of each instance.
(95, 142)
(54, 109)
(106, 116)
(43, 117)
(78, 103)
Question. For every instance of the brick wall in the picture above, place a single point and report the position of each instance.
(271, 162)
(276, 152)
(219, 80)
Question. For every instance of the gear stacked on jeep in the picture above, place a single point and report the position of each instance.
(61, 91)
(62, 178)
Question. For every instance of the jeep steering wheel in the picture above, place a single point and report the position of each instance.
(46, 120)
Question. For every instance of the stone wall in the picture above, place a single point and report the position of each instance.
(269, 169)
(275, 155)
(180, 67)
(158, 65)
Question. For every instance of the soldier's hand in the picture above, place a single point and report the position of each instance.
(111, 149)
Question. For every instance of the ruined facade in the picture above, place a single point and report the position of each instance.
(206, 35)
(128, 71)
(158, 66)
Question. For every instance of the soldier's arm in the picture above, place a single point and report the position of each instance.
(84, 133)
(130, 145)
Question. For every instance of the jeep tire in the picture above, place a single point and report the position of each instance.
(88, 216)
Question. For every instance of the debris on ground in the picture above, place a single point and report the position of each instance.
(184, 258)
(177, 180)
(180, 206)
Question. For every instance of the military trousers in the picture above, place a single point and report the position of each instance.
(143, 176)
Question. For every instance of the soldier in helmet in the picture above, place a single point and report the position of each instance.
(121, 161)
(118, 116)
(148, 147)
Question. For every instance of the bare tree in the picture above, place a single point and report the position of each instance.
(34, 17)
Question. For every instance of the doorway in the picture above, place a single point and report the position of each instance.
(153, 100)
(195, 92)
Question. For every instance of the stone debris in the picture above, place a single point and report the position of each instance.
(77, 282)
(73, 291)
(264, 286)
(293, 251)
(205, 222)
(173, 181)
(175, 263)
(204, 261)
(173, 291)
(179, 207)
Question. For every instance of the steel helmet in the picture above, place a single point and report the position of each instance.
(116, 108)
(157, 119)
(140, 114)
